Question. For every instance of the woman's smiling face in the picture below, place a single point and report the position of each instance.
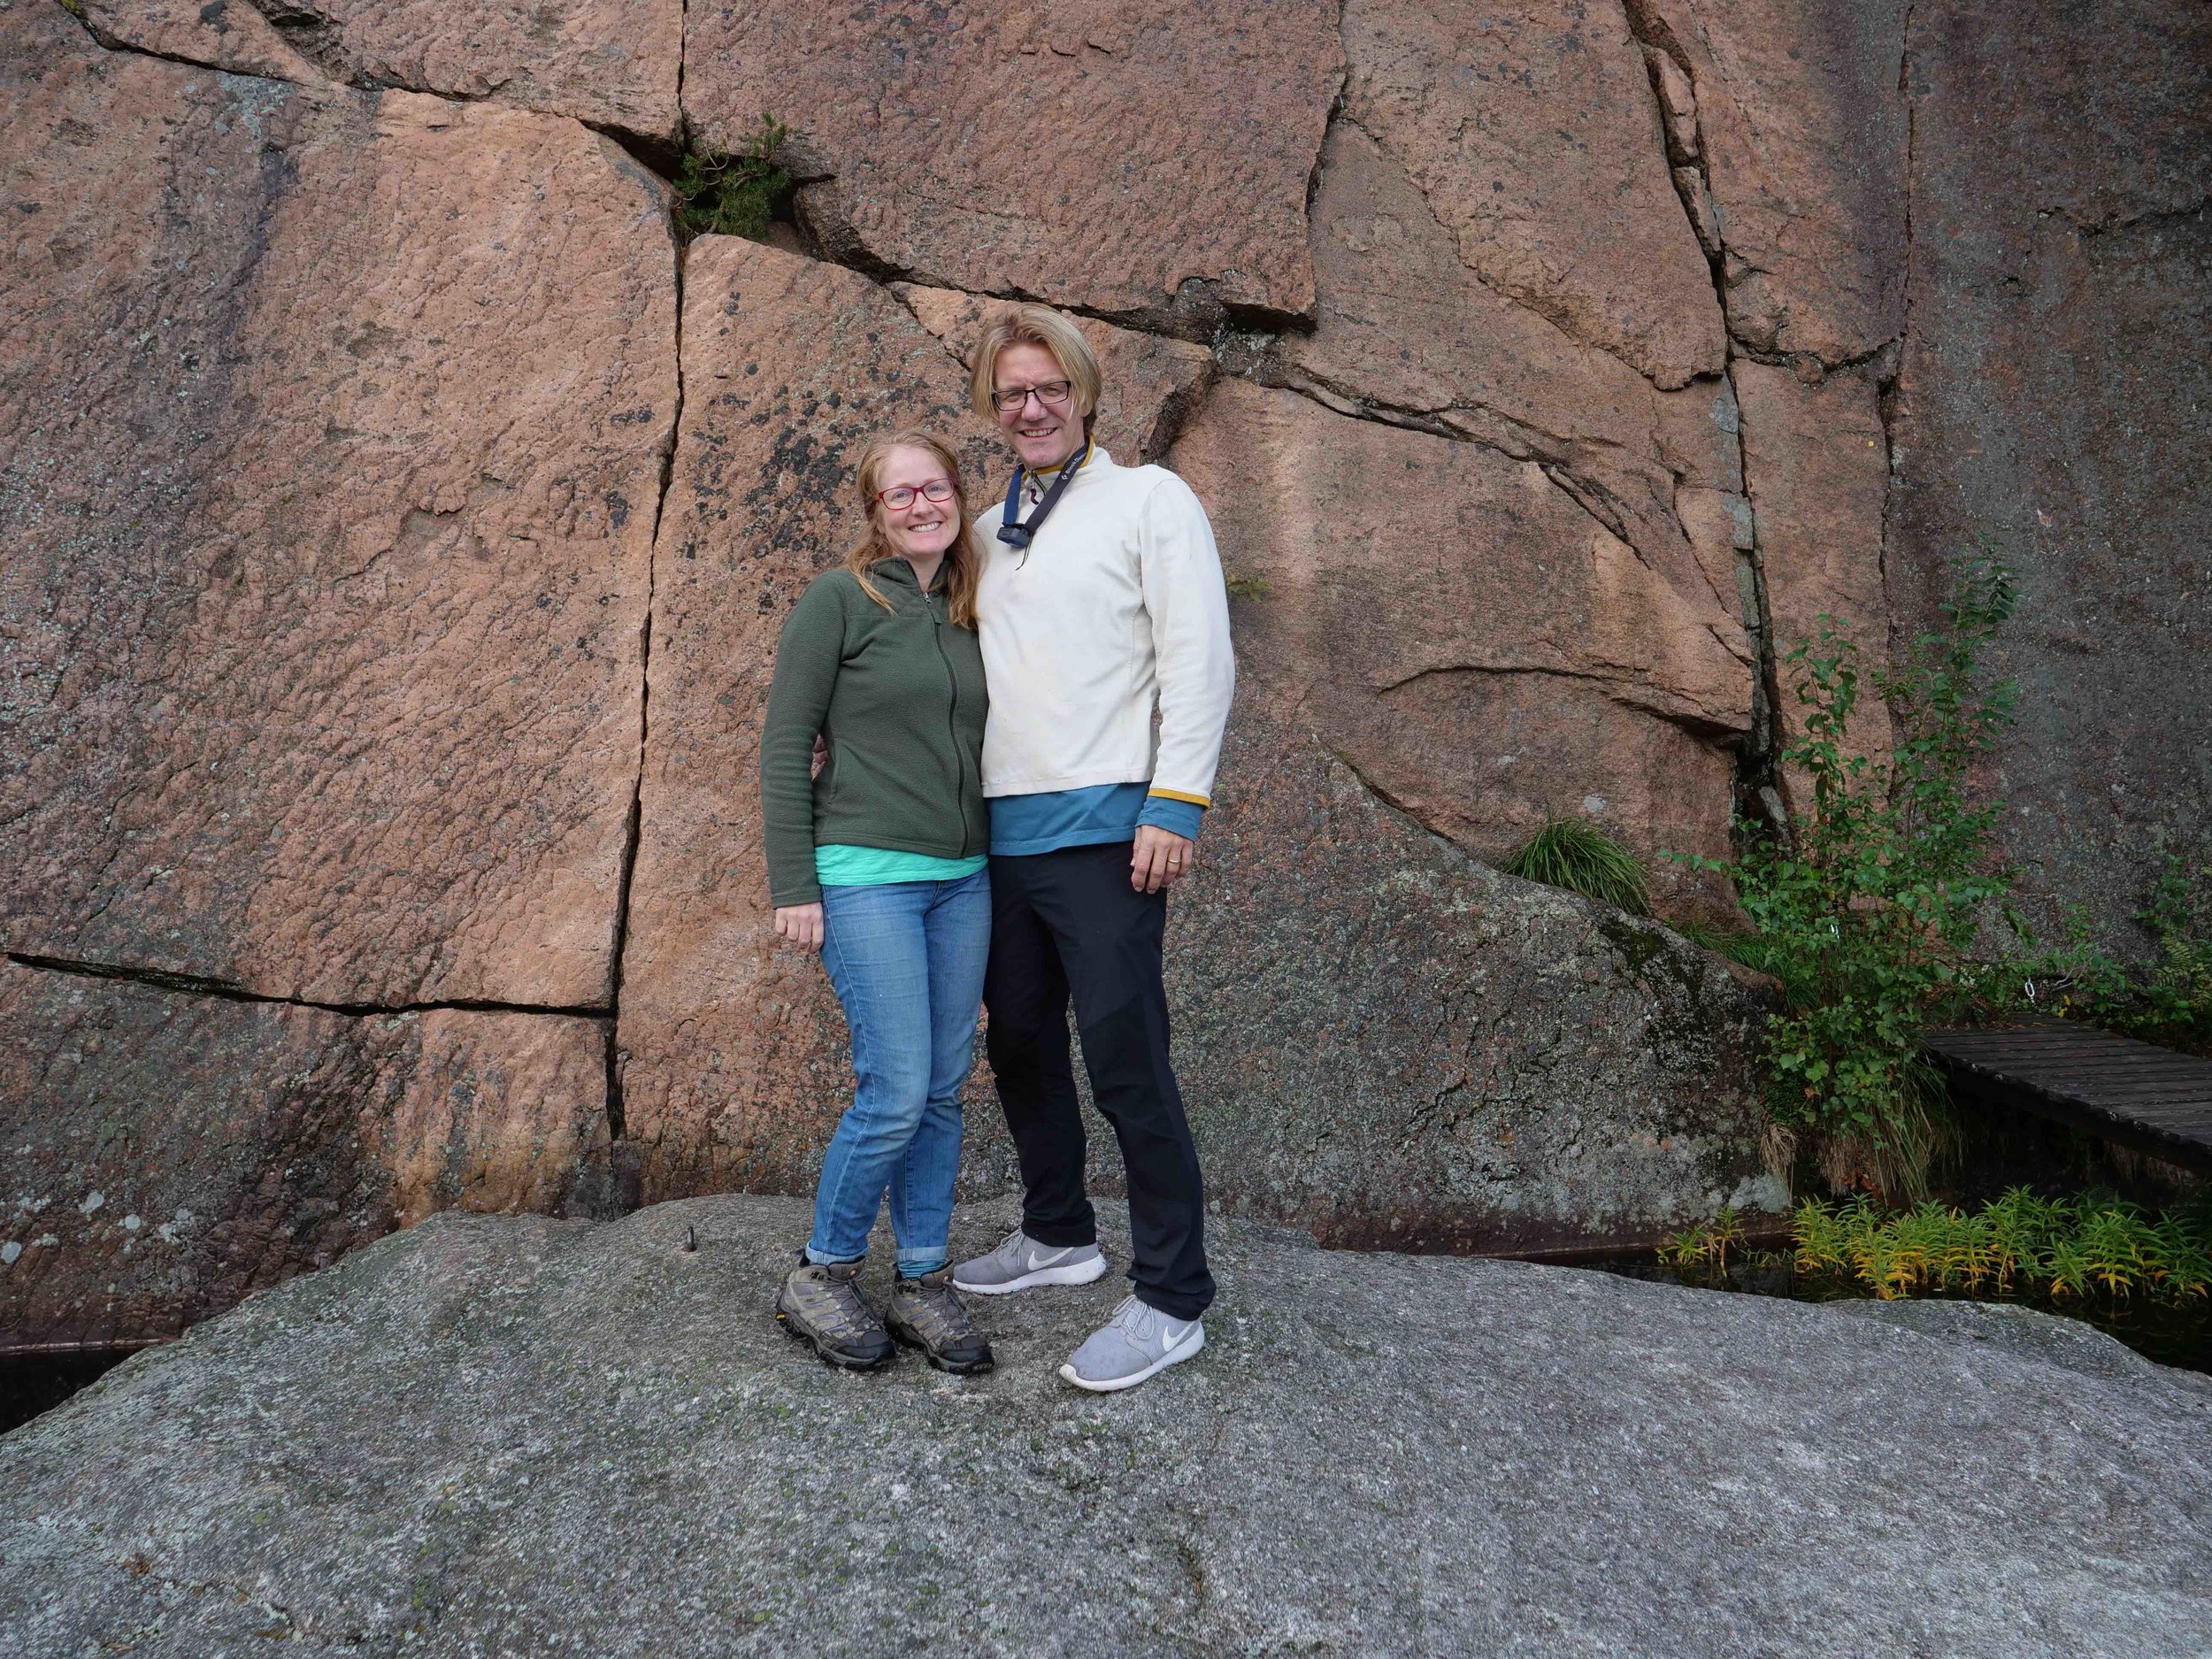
(922, 529)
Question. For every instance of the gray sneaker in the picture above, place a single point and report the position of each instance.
(1136, 1343)
(1020, 1262)
(925, 1313)
(823, 1307)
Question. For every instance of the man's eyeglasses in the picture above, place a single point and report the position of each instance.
(1052, 393)
(899, 497)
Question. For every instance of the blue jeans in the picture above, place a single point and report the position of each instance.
(906, 959)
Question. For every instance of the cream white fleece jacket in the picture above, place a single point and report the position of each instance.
(1117, 612)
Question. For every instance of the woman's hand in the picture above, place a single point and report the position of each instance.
(800, 924)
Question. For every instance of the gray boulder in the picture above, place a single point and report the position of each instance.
(528, 1436)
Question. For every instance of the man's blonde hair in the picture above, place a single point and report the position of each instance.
(1037, 326)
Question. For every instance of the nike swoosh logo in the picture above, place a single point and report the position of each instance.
(1036, 1261)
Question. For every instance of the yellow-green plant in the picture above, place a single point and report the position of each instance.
(2057, 1247)
(1707, 1246)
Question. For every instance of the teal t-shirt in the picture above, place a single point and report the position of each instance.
(836, 866)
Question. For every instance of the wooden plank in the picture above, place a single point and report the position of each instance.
(2031, 1059)
(2094, 1086)
(2123, 1099)
(2189, 1120)
(2119, 1096)
(2117, 1060)
(2055, 1033)
(2175, 1087)
(2187, 1114)
(2104, 1064)
(2109, 1060)
(2086, 1071)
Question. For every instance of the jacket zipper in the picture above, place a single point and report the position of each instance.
(952, 720)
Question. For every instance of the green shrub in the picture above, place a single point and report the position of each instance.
(734, 193)
(1867, 912)
(1583, 858)
(2082, 1247)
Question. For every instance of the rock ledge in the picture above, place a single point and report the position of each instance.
(526, 1436)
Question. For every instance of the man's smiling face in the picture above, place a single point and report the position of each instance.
(1042, 433)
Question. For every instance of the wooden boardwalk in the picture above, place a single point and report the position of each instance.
(2135, 1093)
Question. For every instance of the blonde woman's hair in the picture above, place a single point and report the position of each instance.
(875, 545)
(1037, 326)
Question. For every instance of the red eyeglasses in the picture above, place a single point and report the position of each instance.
(899, 497)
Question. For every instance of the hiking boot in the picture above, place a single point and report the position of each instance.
(925, 1313)
(821, 1305)
(1136, 1343)
(1020, 1261)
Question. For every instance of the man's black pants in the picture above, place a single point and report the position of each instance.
(1069, 921)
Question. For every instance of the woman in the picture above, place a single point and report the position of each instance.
(879, 863)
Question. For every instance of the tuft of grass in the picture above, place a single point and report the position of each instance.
(1755, 951)
(1579, 857)
(734, 193)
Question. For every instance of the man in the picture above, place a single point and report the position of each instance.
(1100, 605)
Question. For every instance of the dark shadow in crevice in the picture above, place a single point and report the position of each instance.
(226, 990)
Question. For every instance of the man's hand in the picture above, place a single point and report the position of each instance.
(800, 924)
(1160, 859)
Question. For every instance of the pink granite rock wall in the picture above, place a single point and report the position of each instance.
(399, 520)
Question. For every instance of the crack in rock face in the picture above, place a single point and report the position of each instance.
(1817, 462)
(1532, 135)
(1572, 670)
(1800, 128)
(230, 35)
(612, 63)
(1401, 321)
(229, 1145)
(1108, 156)
(735, 1054)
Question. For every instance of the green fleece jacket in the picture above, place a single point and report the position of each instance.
(899, 695)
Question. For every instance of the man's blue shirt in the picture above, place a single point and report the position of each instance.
(1023, 824)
